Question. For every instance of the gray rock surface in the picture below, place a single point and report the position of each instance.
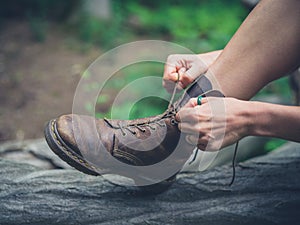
(34, 152)
(266, 191)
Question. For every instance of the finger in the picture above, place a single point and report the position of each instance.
(189, 128)
(170, 79)
(181, 72)
(172, 68)
(197, 68)
(193, 72)
(191, 139)
(190, 111)
(190, 104)
(185, 80)
(185, 114)
(171, 76)
(204, 100)
(193, 102)
(170, 71)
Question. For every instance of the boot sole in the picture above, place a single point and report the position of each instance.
(65, 153)
(57, 145)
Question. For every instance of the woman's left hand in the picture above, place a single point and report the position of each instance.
(216, 123)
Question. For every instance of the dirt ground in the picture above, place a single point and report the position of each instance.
(37, 80)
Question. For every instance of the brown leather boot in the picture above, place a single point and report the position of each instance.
(149, 150)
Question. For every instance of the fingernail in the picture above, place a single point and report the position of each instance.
(173, 77)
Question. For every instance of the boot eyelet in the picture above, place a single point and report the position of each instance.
(173, 122)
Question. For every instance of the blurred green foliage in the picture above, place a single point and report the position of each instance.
(200, 25)
(138, 108)
(104, 33)
(279, 87)
(134, 76)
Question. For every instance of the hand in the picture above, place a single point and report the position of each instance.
(216, 123)
(187, 68)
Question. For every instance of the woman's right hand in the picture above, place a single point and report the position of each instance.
(186, 68)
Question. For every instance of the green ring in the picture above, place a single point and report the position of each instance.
(199, 100)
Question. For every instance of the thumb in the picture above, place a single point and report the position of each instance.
(191, 74)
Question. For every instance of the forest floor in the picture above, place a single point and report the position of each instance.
(37, 79)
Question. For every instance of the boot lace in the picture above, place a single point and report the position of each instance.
(170, 113)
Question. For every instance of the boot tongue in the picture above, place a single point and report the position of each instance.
(198, 87)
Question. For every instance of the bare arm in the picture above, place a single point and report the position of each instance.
(266, 46)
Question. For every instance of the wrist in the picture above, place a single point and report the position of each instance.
(260, 119)
(246, 115)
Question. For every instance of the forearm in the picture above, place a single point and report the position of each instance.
(265, 47)
(272, 120)
(209, 57)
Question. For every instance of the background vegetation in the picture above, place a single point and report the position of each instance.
(200, 25)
